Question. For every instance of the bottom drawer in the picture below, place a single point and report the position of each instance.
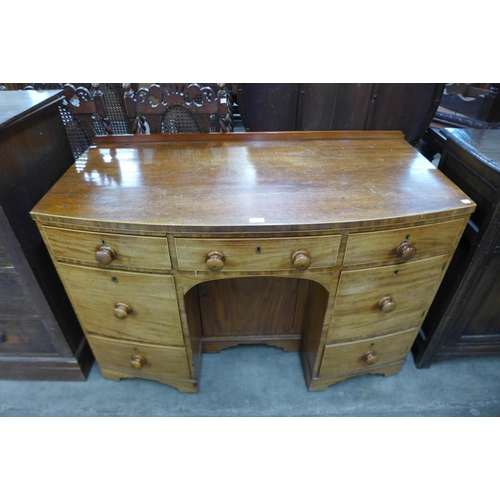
(140, 360)
(360, 355)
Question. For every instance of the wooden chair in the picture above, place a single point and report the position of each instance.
(119, 121)
(84, 115)
(171, 108)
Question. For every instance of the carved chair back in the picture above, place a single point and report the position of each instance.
(84, 116)
(83, 113)
(170, 108)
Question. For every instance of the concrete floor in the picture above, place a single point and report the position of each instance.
(258, 381)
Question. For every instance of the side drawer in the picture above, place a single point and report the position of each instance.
(140, 360)
(384, 299)
(125, 305)
(381, 247)
(136, 252)
(357, 356)
(257, 254)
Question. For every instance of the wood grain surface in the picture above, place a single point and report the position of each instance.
(283, 181)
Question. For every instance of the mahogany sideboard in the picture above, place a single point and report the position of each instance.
(464, 319)
(330, 243)
(40, 336)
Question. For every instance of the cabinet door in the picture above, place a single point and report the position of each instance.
(125, 305)
(478, 320)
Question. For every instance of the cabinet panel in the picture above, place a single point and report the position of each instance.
(14, 299)
(479, 316)
(24, 337)
(100, 297)
(4, 258)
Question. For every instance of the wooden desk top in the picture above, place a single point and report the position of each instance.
(14, 104)
(251, 182)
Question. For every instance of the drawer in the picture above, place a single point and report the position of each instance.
(113, 251)
(351, 357)
(400, 245)
(384, 299)
(140, 360)
(257, 254)
(125, 305)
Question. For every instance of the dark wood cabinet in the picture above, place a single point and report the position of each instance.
(465, 316)
(408, 107)
(40, 337)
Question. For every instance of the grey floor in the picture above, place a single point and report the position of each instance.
(257, 381)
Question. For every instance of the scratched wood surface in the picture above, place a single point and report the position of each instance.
(287, 180)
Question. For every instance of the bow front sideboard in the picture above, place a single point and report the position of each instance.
(329, 243)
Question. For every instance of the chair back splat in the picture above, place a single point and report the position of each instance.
(172, 108)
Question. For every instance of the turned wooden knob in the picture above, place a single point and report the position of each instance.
(137, 361)
(105, 255)
(370, 357)
(215, 261)
(387, 304)
(301, 260)
(122, 310)
(406, 250)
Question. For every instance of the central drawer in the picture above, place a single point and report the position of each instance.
(257, 254)
(125, 305)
